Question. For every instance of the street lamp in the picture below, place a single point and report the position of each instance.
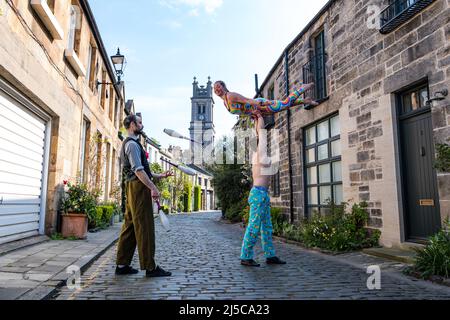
(119, 62)
(175, 134)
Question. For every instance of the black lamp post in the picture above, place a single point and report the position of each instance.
(119, 62)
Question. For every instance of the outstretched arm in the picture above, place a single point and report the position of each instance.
(236, 97)
(163, 175)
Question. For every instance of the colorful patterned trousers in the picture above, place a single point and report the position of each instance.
(259, 222)
(294, 99)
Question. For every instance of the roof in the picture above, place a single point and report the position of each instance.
(308, 26)
(101, 47)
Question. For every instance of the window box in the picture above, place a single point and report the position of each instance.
(400, 11)
(75, 62)
(46, 15)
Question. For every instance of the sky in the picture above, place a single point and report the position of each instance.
(169, 42)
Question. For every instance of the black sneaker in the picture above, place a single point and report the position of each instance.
(275, 260)
(126, 270)
(250, 263)
(158, 272)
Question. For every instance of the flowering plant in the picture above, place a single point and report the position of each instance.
(78, 199)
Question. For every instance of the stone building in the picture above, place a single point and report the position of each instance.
(60, 111)
(202, 128)
(381, 71)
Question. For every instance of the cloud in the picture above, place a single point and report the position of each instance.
(172, 24)
(194, 13)
(209, 6)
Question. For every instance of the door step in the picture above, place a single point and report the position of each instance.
(403, 254)
(20, 244)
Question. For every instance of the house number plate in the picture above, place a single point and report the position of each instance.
(427, 203)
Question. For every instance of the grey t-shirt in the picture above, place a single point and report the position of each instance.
(133, 152)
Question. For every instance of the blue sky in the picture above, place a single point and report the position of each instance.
(168, 42)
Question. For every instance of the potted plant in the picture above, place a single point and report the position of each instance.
(77, 205)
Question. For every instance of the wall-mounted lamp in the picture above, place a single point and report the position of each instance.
(119, 62)
(438, 96)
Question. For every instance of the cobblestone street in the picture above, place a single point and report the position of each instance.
(203, 254)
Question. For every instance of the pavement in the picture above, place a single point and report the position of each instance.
(202, 252)
(35, 270)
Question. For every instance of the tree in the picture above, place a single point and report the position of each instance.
(231, 182)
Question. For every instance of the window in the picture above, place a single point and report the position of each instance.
(116, 113)
(414, 100)
(113, 169)
(51, 5)
(319, 61)
(400, 11)
(111, 102)
(315, 69)
(73, 46)
(276, 184)
(107, 171)
(45, 10)
(93, 66)
(84, 149)
(75, 28)
(99, 140)
(103, 90)
(270, 120)
(323, 166)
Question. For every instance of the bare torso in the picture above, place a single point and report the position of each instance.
(259, 179)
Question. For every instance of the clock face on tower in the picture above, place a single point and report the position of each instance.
(201, 117)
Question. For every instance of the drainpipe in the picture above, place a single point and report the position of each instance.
(291, 190)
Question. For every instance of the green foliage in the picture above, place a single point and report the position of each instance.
(161, 184)
(340, 231)
(103, 216)
(197, 198)
(78, 199)
(231, 185)
(187, 196)
(278, 220)
(443, 157)
(165, 209)
(236, 211)
(58, 236)
(434, 259)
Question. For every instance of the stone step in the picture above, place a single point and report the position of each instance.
(20, 244)
(405, 254)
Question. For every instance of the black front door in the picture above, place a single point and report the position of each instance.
(421, 197)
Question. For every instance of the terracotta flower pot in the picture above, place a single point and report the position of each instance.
(74, 225)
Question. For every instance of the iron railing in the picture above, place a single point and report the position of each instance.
(399, 11)
(315, 71)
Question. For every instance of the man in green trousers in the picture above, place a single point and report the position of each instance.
(138, 228)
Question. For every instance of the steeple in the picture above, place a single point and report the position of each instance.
(202, 114)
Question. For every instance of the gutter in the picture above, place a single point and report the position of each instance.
(291, 188)
(301, 34)
(93, 24)
(285, 56)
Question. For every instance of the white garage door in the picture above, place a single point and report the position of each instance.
(22, 171)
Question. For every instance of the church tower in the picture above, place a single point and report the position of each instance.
(202, 120)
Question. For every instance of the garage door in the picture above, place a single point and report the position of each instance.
(22, 170)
